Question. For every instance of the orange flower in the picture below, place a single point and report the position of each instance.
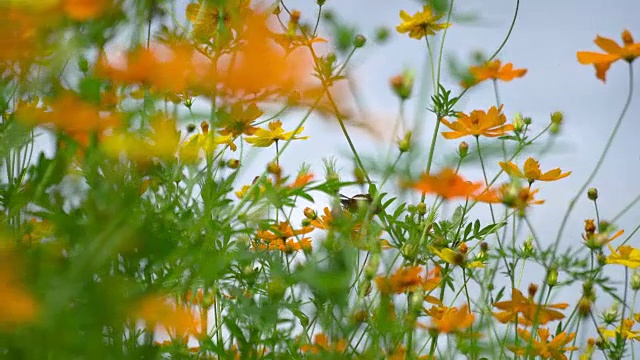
(71, 115)
(157, 310)
(83, 10)
(529, 310)
(278, 238)
(532, 171)
(22, 32)
(260, 67)
(493, 70)
(452, 320)
(613, 52)
(18, 305)
(478, 122)
(321, 344)
(166, 68)
(447, 184)
(542, 347)
(303, 178)
(403, 280)
(323, 221)
(511, 195)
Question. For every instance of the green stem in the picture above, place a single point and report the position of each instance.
(596, 169)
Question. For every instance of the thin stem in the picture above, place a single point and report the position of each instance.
(596, 169)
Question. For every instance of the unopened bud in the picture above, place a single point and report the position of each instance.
(584, 307)
(610, 315)
(382, 34)
(402, 84)
(306, 222)
(320, 2)
(552, 276)
(274, 168)
(233, 163)
(592, 194)
(557, 117)
(463, 149)
(532, 290)
(404, 145)
(528, 248)
(527, 120)
(518, 122)
(309, 213)
(359, 41)
(635, 281)
(421, 208)
(191, 128)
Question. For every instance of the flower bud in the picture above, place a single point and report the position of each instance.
(242, 217)
(382, 34)
(359, 41)
(557, 117)
(592, 194)
(554, 129)
(635, 281)
(532, 290)
(309, 213)
(83, 64)
(528, 248)
(527, 120)
(371, 268)
(191, 128)
(421, 208)
(584, 307)
(233, 163)
(358, 174)
(306, 222)
(552, 276)
(463, 149)
(404, 145)
(518, 122)
(320, 2)
(402, 84)
(610, 315)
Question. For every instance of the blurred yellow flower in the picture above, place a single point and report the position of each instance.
(264, 137)
(160, 141)
(532, 172)
(421, 24)
(613, 52)
(625, 255)
(625, 330)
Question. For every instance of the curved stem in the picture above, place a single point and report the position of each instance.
(596, 169)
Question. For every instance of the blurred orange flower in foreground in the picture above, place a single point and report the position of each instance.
(71, 115)
(452, 320)
(18, 306)
(449, 185)
(177, 319)
(613, 52)
(493, 70)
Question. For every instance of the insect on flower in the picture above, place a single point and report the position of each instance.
(357, 202)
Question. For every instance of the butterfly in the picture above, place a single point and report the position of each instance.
(357, 202)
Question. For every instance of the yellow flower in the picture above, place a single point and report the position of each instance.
(614, 52)
(544, 348)
(532, 171)
(625, 330)
(625, 255)
(206, 142)
(161, 141)
(478, 122)
(495, 71)
(456, 258)
(421, 24)
(264, 137)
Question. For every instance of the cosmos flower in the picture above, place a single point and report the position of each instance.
(613, 52)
